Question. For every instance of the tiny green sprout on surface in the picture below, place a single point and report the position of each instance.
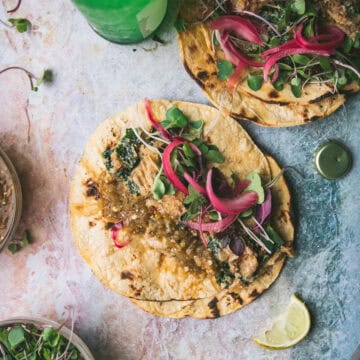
(21, 24)
(46, 77)
(17, 244)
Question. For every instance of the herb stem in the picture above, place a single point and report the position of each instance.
(213, 36)
(310, 64)
(69, 342)
(254, 237)
(147, 132)
(345, 58)
(310, 80)
(294, 24)
(15, 8)
(158, 174)
(268, 23)
(347, 67)
(278, 176)
(150, 147)
(217, 7)
(2, 352)
(264, 234)
(29, 74)
(6, 24)
(220, 5)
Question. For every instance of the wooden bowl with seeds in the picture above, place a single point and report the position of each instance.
(10, 199)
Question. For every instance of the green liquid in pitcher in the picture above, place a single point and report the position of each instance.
(123, 21)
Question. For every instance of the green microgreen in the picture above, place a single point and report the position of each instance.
(247, 213)
(276, 240)
(161, 187)
(324, 63)
(189, 153)
(347, 45)
(225, 69)
(281, 80)
(255, 81)
(213, 154)
(356, 43)
(46, 77)
(309, 28)
(296, 86)
(16, 337)
(301, 59)
(22, 25)
(275, 41)
(193, 203)
(196, 125)
(19, 243)
(256, 186)
(214, 216)
(298, 6)
(175, 118)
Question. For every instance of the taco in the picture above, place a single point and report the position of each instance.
(276, 63)
(236, 297)
(179, 210)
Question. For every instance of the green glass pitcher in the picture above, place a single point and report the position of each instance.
(123, 21)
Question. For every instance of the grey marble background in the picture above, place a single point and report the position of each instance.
(95, 79)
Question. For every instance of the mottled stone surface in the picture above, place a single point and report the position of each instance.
(94, 79)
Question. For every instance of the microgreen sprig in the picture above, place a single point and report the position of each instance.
(17, 244)
(35, 82)
(21, 24)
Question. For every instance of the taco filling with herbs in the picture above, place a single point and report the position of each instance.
(173, 203)
(277, 63)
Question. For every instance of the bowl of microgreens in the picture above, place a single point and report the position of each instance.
(40, 339)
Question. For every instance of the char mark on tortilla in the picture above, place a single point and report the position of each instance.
(213, 307)
(127, 275)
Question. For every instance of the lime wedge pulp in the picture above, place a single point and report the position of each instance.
(288, 329)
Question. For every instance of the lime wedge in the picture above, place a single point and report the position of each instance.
(288, 329)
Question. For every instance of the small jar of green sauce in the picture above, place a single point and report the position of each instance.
(123, 21)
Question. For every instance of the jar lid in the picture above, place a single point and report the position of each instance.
(332, 160)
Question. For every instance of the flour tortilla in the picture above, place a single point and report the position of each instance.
(237, 296)
(267, 106)
(140, 270)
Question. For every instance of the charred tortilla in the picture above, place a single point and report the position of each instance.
(161, 262)
(267, 106)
